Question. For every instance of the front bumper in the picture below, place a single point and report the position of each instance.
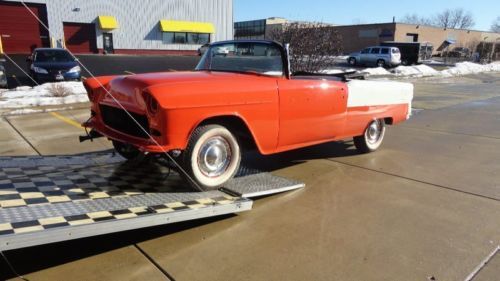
(3, 82)
(56, 77)
(145, 145)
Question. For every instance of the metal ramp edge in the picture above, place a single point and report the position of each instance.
(54, 199)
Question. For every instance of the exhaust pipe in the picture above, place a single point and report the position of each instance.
(90, 136)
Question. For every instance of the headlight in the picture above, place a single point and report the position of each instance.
(75, 69)
(151, 103)
(39, 70)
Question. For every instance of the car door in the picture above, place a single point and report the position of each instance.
(385, 54)
(310, 110)
(364, 56)
(374, 56)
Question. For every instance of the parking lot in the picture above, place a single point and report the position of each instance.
(104, 65)
(425, 207)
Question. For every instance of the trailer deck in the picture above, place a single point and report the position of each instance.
(57, 198)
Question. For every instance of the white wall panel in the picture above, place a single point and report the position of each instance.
(138, 20)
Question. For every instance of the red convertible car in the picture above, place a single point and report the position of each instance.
(242, 94)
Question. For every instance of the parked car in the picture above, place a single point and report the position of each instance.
(3, 76)
(53, 65)
(411, 52)
(378, 55)
(242, 94)
(203, 49)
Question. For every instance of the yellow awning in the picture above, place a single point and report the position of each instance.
(186, 26)
(107, 22)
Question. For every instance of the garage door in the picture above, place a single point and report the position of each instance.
(20, 30)
(80, 37)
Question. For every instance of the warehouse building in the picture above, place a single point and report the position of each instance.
(115, 26)
(360, 36)
(357, 37)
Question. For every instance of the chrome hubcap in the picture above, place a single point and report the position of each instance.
(214, 156)
(374, 132)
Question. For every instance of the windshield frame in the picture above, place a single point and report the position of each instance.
(69, 57)
(203, 67)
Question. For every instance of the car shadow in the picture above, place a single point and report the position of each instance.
(41, 257)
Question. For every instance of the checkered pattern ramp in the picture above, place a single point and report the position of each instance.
(30, 185)
(64, 195)
(103, 215)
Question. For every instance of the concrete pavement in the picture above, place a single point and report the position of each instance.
(425, 206)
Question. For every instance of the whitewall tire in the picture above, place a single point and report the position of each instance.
(212, 157)
(372, 138)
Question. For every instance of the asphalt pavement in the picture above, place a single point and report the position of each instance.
(98, 65)
(426, 206)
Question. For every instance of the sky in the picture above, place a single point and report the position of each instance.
(358, 11)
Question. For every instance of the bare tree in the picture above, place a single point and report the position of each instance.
(416, 19)
(313, 46)
(456, 18)
(443, 19)
(495, 26)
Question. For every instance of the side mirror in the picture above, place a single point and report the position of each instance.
(29, 58)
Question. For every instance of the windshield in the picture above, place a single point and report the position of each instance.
(253, 57)
(52, 56)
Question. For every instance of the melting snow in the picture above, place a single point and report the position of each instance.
(25, 96)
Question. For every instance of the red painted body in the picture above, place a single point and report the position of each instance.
(280, 113)
(80, 38)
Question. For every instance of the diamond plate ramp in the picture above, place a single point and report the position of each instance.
(57, 198)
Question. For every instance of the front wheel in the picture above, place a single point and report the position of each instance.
(372, 139)
(352, 61)
(381, 63)
(212, 157)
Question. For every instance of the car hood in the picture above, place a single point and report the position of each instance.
(129, 90)
(354, 54)
(56, 65)
(161, 79)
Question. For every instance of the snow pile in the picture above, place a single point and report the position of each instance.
(421, 70)
(338, 70)
(340, 59)
(376, 71)
(464, 68)
(41, 95)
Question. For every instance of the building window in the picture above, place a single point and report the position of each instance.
(198, 38)
(250, 28)
(186, 38)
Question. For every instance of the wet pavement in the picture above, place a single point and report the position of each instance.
(425, 206)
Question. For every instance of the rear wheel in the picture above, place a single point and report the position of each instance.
(212, 157)
(372, 138)
(126, 150)
(381, 63)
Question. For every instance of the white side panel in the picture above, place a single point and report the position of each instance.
(138, 20)
(371, 93)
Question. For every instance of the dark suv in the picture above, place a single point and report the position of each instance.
(53, 65)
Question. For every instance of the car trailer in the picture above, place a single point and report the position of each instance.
(57, 198)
